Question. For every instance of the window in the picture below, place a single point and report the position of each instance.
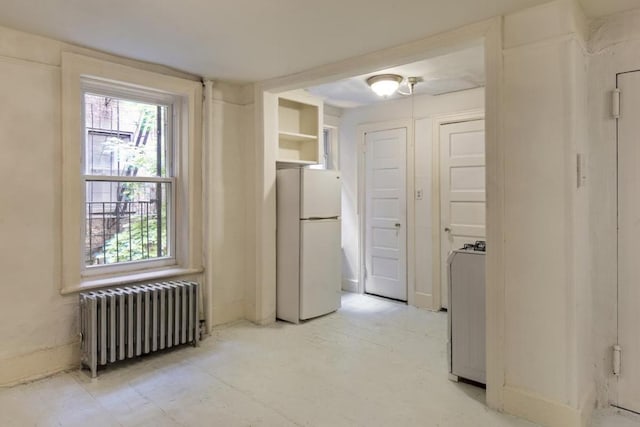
(132, 175)
(329, 149)
(128, 179)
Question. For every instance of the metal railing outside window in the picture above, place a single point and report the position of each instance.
(123, 231)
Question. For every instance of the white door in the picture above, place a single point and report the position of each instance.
(628, 238)
(385, 219)
(462, 190)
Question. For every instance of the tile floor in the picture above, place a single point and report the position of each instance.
(613, 417)
(374, 363)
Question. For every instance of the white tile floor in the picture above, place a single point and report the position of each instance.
(374, 363)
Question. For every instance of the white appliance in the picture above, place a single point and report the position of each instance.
(308, 243)
(467, 313)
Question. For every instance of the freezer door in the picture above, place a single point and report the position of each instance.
(320, 267)
(320, 193)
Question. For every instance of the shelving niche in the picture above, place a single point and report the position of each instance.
(299, 129)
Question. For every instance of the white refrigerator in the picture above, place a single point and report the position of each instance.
(309, 271)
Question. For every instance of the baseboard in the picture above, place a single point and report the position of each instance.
(423, 300)
(39, 364)
(227, 313)
(539, 410)
(349, 285)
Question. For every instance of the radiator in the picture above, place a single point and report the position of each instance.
(127, 322)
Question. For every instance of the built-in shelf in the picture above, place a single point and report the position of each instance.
(298, 162)
(295, 163)
(297, 137)
(299, 129)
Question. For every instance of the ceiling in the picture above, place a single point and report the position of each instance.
(460, 70)
(596, 8)
(252, 40)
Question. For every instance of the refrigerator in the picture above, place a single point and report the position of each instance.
(308, 258)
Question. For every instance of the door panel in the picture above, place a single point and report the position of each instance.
(467, 178)
(385, 222)
(628, 238)
(462, 190)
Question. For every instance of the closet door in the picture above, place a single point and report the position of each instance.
(462, 191)
(628, 238)
(386, 214)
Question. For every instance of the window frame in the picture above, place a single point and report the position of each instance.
(115, 90)
(329, 152)
(82, 74)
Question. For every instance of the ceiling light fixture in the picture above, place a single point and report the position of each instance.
(388, 84)
(411, 83)
(384, 84)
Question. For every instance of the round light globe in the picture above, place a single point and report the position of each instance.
(384, 84)
(385, 87)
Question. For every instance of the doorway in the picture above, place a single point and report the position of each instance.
(423, 288)
(386, 213)
(628, 237)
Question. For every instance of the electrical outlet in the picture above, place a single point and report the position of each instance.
(419, 194)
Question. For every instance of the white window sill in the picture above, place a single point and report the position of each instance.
(126, 279)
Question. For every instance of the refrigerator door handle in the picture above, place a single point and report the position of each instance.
(320, 218)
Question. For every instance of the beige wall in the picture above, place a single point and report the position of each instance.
(614, 45)
(226, 173)
(555, 291)
(426, 107)
(33, 315)
(39, 327)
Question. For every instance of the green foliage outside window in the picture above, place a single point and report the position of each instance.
(137, 240)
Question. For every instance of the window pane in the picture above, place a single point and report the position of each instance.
(126, 221)
(124, 138)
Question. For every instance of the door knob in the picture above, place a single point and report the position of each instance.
(447, 229)
(397, 225)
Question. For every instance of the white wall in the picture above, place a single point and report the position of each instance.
(615, 47)
(39, 327)
(424, 109)
(547, 371)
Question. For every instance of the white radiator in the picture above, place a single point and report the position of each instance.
(123, 323)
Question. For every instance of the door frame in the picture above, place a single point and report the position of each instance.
(410, 202)
(437, 121)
